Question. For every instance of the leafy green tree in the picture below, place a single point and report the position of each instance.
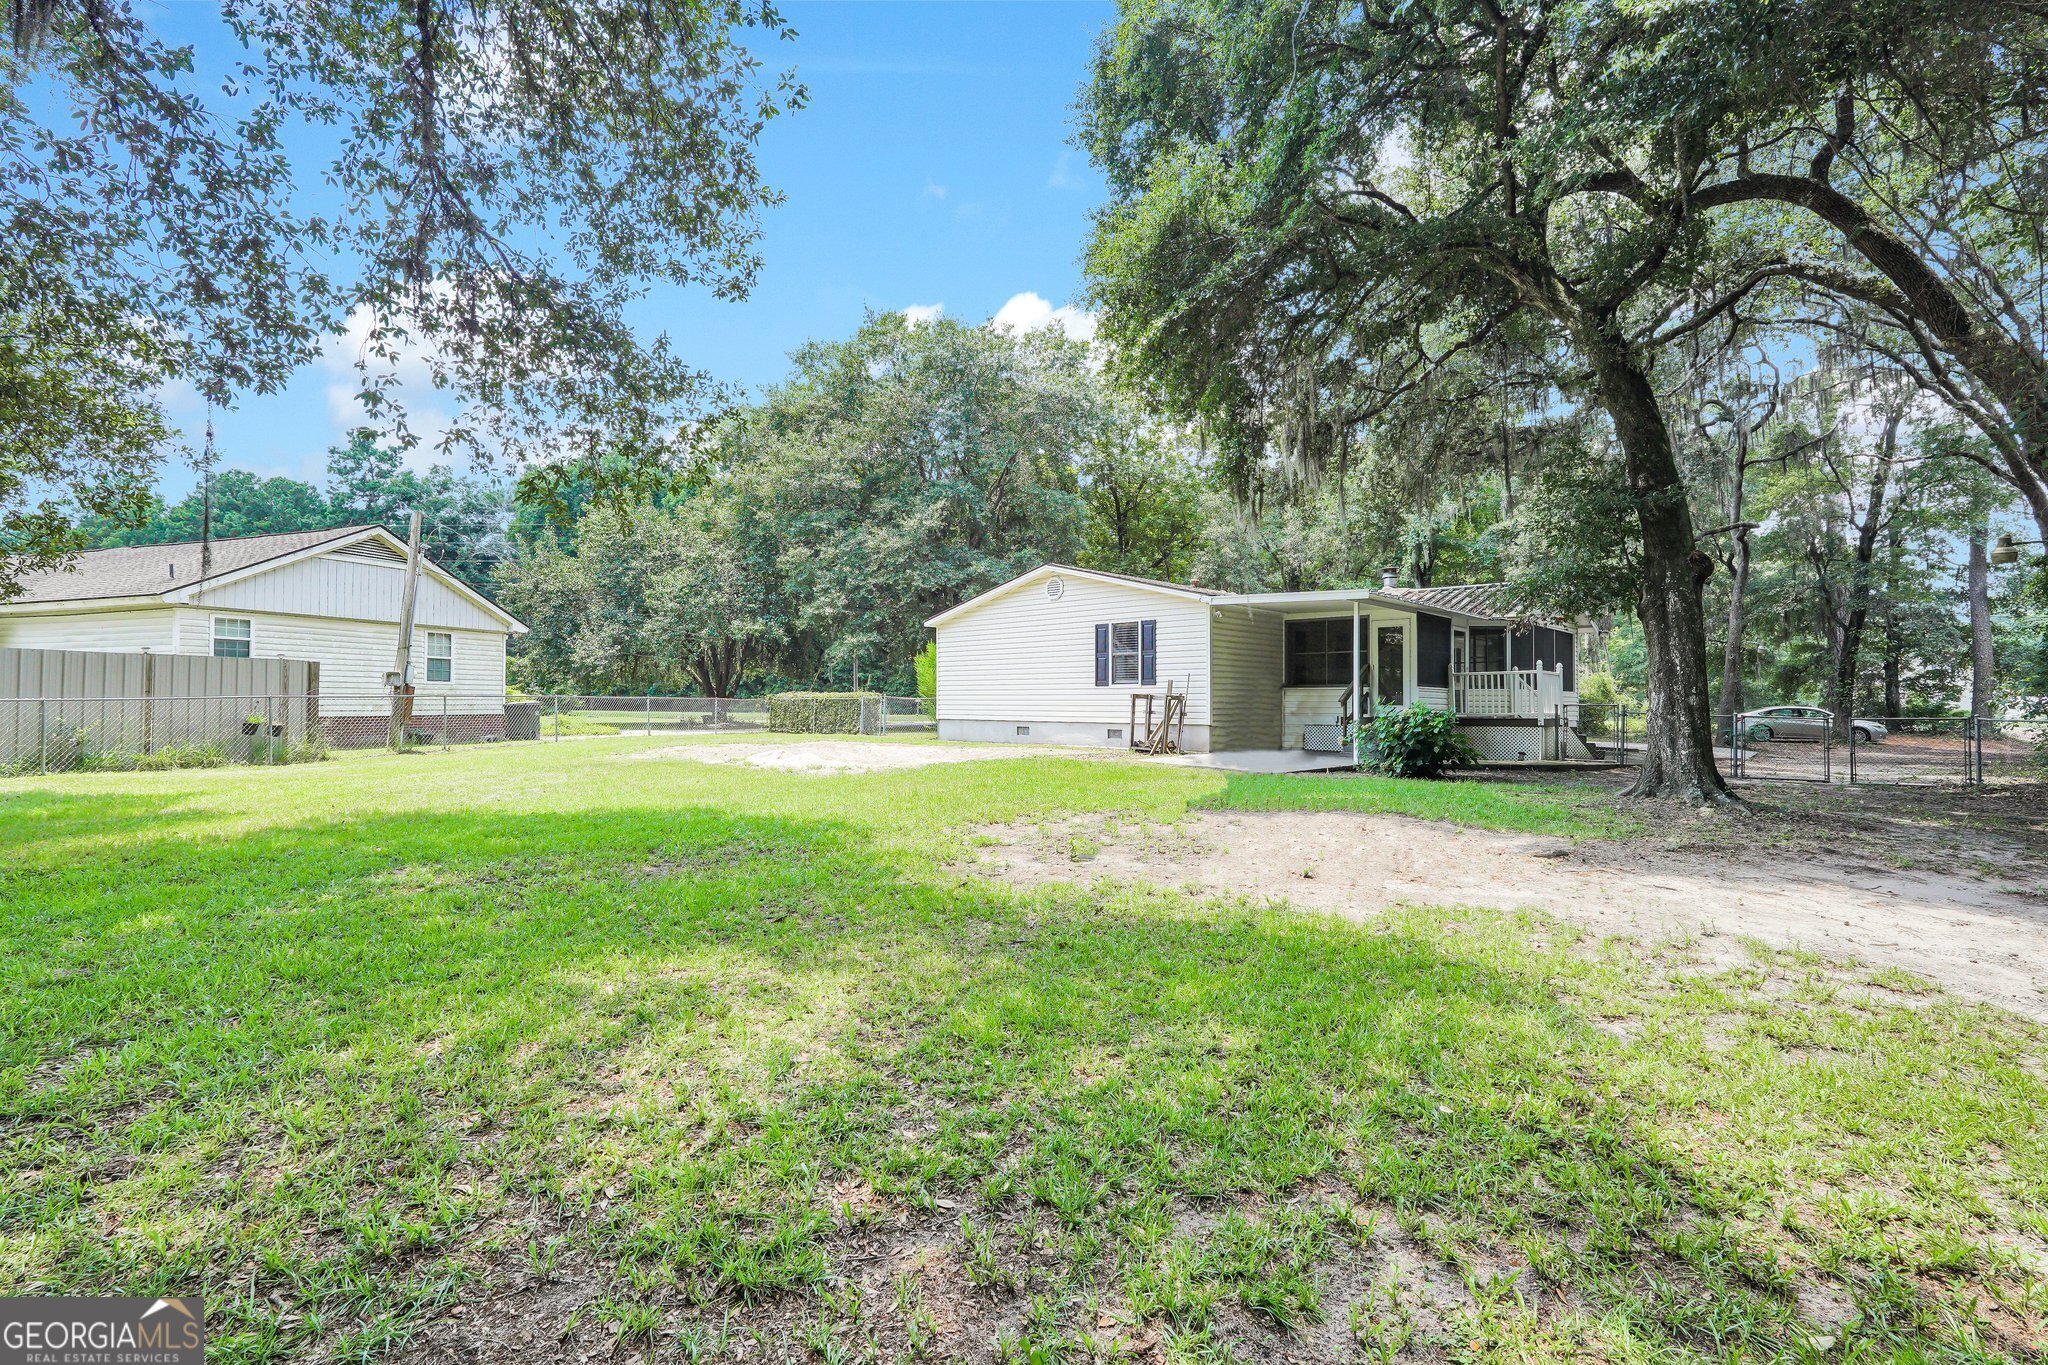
(1884, 154)
(1302, 195)
(719, 609)
(508, 179)
(589, 609)
(243, 504)
(1141, 487)
(906, 469)
(462, 518)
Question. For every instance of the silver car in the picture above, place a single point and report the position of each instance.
(1802, 722)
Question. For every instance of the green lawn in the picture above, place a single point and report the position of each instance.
(697, 1060)
(1535, 808)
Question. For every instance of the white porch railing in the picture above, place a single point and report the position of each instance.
(1515, 692)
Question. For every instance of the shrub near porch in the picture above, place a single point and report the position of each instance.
(610, 1049)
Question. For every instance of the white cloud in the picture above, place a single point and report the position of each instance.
(920, 313)
(1027, 312)
(350, 362)
(1062, 176)
(934, 190)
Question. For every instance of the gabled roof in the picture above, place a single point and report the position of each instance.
(1186, 590)
(152, 570)
(170, 573)
(1487, 602)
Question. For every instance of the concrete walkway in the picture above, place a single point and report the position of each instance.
(1262, 761)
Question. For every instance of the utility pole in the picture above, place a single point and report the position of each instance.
(400, 678)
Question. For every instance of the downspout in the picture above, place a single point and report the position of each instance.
(1357, 701)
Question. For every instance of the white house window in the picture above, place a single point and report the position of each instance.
(1123, 652)
(230, 637)
(440, 656)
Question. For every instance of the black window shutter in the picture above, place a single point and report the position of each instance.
(1102, 655)
(1148, 653)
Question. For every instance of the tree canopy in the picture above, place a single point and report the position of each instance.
(499, 182)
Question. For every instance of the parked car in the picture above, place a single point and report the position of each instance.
(1802, 722)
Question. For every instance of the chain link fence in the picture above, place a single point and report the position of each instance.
(1883, 750)
(67, 734)
(1767, 747)
(128, 734)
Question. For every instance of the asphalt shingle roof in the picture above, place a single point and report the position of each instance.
(145, 570)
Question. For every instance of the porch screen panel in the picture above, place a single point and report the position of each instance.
(1522, 649)
(1387, 667)
(1432, 650)
(1489, 651)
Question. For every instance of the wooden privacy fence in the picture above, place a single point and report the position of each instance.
(57, 705)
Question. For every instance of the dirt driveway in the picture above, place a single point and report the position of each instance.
(1952, 887)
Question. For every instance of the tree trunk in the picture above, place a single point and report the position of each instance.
(1982, 681)
(1678, 758)
(1856, 601)
(1894, 664)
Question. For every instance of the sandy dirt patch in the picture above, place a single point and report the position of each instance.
(834, 756)
(1969, 915)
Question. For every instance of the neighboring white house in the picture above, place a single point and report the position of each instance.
(1053, 656)
(332, 597)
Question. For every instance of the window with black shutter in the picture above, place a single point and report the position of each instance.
(1127, 652)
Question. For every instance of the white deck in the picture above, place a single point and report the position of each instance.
(1261, 761)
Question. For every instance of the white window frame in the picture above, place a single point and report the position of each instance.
(1135, 654)
(214, 637)
(428, 652)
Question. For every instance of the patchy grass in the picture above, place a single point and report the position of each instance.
(688, 1060)
(1576, 809)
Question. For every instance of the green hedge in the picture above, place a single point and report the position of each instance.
(826, 713)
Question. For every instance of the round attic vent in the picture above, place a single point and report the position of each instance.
(1055, 588)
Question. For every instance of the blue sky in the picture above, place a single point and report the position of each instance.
(931, 168)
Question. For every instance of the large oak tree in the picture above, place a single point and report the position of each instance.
(1323, 187)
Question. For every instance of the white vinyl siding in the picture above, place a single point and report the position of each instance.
(1245, 666)
(342, 585)
(99, 632)
(1024, 656)
(354, 656)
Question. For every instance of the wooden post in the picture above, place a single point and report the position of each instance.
(1357, 694)
(401, 684)
(148, 702)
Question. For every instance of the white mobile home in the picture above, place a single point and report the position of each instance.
(1054, 656)
(328, 597)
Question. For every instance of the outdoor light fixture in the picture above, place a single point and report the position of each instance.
(2006, 550)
